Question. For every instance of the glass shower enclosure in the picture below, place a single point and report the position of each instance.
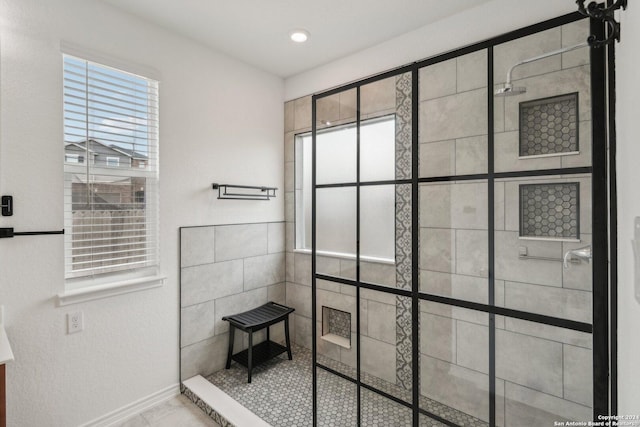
(456, 209)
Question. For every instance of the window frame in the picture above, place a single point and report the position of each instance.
(139, 276)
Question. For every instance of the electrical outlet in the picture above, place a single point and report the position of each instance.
(75, 322)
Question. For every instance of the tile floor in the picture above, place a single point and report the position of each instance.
(280, 393)
(178, 411)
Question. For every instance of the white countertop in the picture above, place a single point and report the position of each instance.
(6, 355)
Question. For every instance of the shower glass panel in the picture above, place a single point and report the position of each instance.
(336, 231)
(383, 114)
(454, 363)
(336, 138)
(543, 211)
(336, 327)
(337, 401)
(538, 220)
(336, 155)
(385, 240)
(454, 240)
(546, 122)
(385, 339)
(453, 116)
(460, 309)
(377, 410)
(543, 373)
(377, 149)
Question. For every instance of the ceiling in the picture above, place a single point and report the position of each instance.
(257, 31)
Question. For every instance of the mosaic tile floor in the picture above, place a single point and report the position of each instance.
(280, 393)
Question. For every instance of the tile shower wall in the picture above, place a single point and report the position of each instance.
(539, 364)
(536, 365)
(453, 218)
(378, 311)
(226, 269)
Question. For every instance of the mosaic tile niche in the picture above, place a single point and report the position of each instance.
(550, 210)
(336, 322)
(549, 126)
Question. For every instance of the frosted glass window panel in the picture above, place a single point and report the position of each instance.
(303, 190)
(377, 150)
(336, 220)
(336, 155)
(377, 221)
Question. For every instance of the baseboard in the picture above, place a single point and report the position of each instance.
(135, 408)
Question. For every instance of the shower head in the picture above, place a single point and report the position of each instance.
(510, 90)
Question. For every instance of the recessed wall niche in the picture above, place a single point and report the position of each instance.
(549, 126)
(550, 211)
(336, 326)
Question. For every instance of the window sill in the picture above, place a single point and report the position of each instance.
(76, 296)
(350, 257)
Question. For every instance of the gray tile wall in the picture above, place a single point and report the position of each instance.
(537, 366)
(226, 269)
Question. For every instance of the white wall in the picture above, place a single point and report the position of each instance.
(492, 19)
(220, 121)
(468, 27)
(628, 85)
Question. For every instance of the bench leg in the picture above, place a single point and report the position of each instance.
(249, 355)
(286, 336)
(232, 330)
(268, 339)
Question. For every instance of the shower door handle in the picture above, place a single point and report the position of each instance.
(580, 253)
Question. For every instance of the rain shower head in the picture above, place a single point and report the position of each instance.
(510, 90)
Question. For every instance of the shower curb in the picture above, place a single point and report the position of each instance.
(242, 417)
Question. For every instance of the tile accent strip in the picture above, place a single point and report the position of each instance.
(549, 125)
(211, 413)
(403, 230)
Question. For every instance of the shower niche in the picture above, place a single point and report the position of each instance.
(336, 326)
(549, 126)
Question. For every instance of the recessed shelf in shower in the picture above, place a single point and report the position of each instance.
(336, 326)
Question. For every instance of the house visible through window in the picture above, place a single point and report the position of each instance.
(111, 201)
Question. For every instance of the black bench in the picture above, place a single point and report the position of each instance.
(256, 320)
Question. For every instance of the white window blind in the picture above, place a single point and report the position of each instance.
(111, 196)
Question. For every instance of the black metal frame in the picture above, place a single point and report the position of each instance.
(604, 13)
(604, 243)
(265, 193)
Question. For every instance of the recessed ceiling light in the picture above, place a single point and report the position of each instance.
(299, 36)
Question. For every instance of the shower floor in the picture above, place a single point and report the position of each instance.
(281, 394)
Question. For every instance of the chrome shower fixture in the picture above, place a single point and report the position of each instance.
(509, 90)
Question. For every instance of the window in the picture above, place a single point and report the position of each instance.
(336, 207)
(73, 158)
(111, 204)
(113, 162)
